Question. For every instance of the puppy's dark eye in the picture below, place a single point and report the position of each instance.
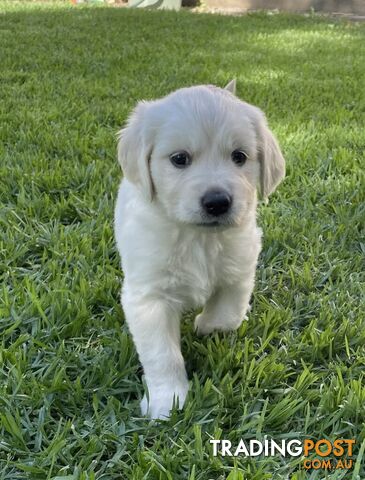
(180, 159)
(239, 157)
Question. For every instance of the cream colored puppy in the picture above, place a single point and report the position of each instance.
(185, 223)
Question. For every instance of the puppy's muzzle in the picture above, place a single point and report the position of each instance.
(216, 202)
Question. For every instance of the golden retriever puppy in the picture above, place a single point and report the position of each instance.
(185, 223)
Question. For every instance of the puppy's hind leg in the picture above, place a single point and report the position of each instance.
(226, 308)
(155, 327)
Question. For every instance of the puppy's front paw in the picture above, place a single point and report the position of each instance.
(204, 325)
(161, 401)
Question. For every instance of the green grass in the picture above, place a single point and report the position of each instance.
(70, 381)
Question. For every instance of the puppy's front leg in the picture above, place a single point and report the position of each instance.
(155, 327)
(226, 308)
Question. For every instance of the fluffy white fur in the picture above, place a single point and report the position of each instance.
(174, 256)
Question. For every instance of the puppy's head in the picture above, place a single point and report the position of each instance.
(200, 153)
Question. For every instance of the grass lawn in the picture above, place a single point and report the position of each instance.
(70, 380)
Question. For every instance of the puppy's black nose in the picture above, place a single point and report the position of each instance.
(216, 202)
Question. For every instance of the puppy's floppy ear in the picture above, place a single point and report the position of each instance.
(135, 148)
(231, 86)
(272, 163)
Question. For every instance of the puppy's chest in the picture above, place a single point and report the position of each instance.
(195, 267)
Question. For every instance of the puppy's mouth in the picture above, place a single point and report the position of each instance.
(221, 223)
(209, 224)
